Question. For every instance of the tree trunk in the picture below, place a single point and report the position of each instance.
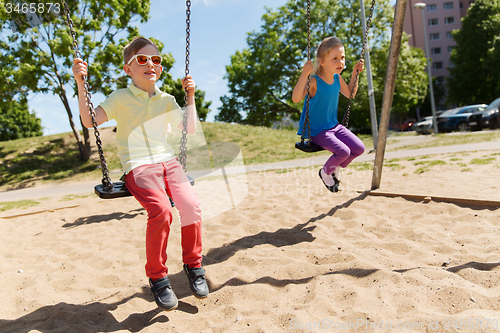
(84, 153)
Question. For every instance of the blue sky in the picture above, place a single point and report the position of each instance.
(218, 29)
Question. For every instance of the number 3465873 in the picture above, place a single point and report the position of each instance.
(34, 8)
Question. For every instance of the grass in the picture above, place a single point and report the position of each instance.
(56, 157)
(17, 204)
(488, 160)
(449, 140)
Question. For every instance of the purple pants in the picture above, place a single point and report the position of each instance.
(344, 145)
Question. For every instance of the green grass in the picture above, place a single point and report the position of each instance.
(430, 163)
(488, 160)
(449, 140)
(17, 204)
(56, 157)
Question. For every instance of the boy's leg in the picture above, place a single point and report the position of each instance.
(147, 185)
(356, 146)
(188, 205)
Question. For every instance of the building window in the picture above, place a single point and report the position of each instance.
(449, 35)
(450, 48)
(433, 22)
(434, 36)
(461, 5)
(437, 65)
(432, 8)
(449, 20)
(439, 79)
(436, 50)
(448, 5)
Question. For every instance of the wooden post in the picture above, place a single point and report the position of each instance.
(390, 81)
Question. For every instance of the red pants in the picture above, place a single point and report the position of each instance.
(150, 184)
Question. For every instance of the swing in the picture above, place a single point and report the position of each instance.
(306, 145)
(107, 189)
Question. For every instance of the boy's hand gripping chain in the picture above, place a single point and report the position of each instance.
(106, 180)
(183, 149)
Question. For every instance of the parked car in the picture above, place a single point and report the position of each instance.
(424, 126)
(487, 118)
(456, 119)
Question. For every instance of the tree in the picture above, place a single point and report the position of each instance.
(476, 69)
(44, 54)
(15, 119)
(17, 122)
(411, 79)
(261, 77)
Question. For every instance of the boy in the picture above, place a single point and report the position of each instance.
(152, 172)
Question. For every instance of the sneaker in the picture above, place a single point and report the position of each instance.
(164, 294)
(336, 182)
(197, 282)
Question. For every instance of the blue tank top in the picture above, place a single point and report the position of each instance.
(323, 107)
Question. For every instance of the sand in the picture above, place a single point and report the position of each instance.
(290, 257)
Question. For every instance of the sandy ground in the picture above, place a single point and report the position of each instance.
(289, 257)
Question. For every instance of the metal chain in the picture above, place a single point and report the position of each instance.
(306, 125)
(106, 180)
(183, 149)
(345, 120)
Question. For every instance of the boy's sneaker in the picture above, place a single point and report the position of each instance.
(163, 293)
(197, 282)
(331, 182)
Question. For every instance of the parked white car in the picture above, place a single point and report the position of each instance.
(424, 126)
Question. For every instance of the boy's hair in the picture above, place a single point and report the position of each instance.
(134, 46)
(324, 47)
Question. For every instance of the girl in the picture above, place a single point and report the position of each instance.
(324, 90)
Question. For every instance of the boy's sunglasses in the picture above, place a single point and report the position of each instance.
(142, 59)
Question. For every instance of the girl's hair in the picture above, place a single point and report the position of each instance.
(324, 47)
(134, 46)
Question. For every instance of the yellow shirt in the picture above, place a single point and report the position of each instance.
(141, 135)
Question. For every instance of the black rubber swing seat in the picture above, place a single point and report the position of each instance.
(119, 190)
(308, 147)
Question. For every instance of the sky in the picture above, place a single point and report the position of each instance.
(218, 29)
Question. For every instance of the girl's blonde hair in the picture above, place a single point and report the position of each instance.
(324, 47)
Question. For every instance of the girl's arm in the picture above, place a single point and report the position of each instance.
(300, 90)
(347, 89)
(80, 70)
(189, 85)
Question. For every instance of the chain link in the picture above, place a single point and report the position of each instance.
(183, 149)
(106, 180)
(345, 120)
(307, 126)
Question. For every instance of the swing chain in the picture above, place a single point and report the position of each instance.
(306, 125)
(106, 180)
(183, 149)
(345, 120)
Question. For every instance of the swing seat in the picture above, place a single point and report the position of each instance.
(119, 190)
(308, 147)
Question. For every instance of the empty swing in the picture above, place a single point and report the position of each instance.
(107, 189)
(306, 145)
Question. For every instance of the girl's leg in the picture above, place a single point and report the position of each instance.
(188, 205)
(329, 141)
(356, 146)
(147, 185)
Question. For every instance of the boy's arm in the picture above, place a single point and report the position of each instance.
(80, 70)
(300, 90)
(189, 85)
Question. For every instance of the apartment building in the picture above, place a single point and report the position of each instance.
(441, 18)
